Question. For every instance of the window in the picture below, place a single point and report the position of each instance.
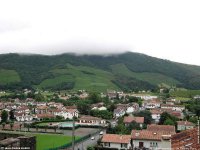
(107, 144)
(156, 144)
(123, 145)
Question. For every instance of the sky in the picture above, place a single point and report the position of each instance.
(168, 29)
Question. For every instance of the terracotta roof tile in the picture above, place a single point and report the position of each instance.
(116, 138)
(148, 135)
(186, 123)
(167, 129)
(129, 119)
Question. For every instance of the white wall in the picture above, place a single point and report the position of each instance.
(117, 145)
(147, 143)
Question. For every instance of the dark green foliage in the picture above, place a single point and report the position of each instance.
(61, 86)
(90, 148)
(105, 114)
(33, 69)
(39, 97)
(11, 114)
(83, 107)
(135, 99)
(194, 106)
(146, 114)
(4, 116)
(128, 83)
(94, 97)
(167, 119)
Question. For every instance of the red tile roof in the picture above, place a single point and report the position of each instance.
(72, 110)
(129, 119)
(186, 123)
(167, 129)
(116, 138)
(148, 135)
(89, 118)
(45, 116)
(155, 111)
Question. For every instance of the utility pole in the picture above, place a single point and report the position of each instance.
(73, 134)
(198, 134)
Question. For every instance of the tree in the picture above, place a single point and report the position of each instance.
(90, 148)
(169, 121)
(193, 120)
(4, 116)
(11, 126)
(111, 107)
(105, 114)
(36, 128)
(146, 114)
(133, 125)
(3, 125)
(166, 118)
(20, 126)
(39, 97)
(94, 97)
(83, 108)
(55, 129)
(12, 116)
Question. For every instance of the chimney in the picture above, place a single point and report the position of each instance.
(137, 134)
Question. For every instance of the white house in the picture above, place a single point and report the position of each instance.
(154, 137)
(144, 96)
(118, 112)
(151, 104)
(173, 107)
(132, 107)
(116, 141)
(150, 140)
(67, 114)
(98, 106)
(23, 117)
(184, 125)
(91, 121)
(129, 119)
(155, 114)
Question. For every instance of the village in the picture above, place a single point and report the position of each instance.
(124, 120)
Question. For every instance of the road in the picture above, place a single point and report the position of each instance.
(88, 142)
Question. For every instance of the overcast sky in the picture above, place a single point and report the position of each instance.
(168, 29)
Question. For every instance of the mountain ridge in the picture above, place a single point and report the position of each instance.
(126, 71)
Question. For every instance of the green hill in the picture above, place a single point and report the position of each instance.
(68, 71)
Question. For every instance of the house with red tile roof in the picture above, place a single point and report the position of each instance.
(167, 129)
(188, 139)
(155, 114)
(43, 116)
(173, 107)
(91, 121)
(150, 139)
(184, 125)
(130, 119)
(154, 137)
(116, 141)
(153, 103)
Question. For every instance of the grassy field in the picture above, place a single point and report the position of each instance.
(153, 78)
(55, 81)
(8, 76)
(185, 93)
(83, 77)
(45, 141)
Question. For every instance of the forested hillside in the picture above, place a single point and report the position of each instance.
(128, 71)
